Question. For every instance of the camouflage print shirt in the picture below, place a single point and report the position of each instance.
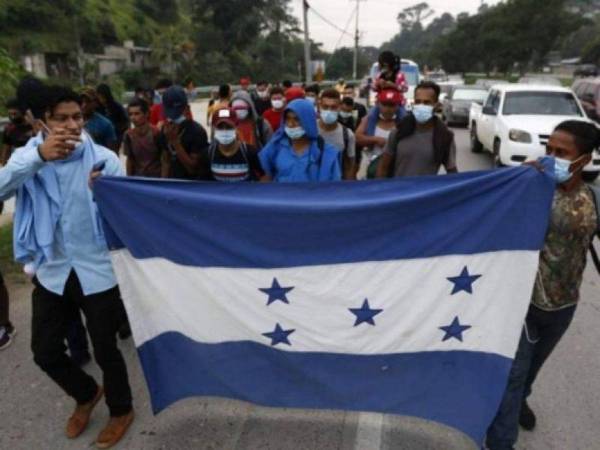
(573, 222)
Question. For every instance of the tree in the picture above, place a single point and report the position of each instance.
(10, 73)
(414, 15)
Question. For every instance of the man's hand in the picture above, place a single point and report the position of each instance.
(58, 145)
(381, 141)
(171, 131)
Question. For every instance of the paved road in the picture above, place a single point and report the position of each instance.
(34, 411)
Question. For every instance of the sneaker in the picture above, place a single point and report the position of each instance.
(527, 417)
(5, 338)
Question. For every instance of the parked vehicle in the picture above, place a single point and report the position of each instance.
(588, 92)
(488, 83)
(457, 105)
(541, 80)
(516, 121)
(586, 70)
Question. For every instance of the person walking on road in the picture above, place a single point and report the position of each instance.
(373, 132)
(141, 144)
(297, 153)
(274, 114)
(228, 158)
(421, 143)
(336, 134)
(252, 129)
(573, 223)
(57, 230)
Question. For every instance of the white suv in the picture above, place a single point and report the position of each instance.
(516, 121)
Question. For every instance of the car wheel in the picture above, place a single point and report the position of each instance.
(476, 146)
(497, 160)
(590, 177)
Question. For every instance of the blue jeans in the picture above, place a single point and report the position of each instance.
(542, 331)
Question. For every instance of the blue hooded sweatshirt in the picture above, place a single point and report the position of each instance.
(282, 164)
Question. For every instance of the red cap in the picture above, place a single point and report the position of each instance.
(294, 93)
(226, 115)
(244, 81)
(390, 96)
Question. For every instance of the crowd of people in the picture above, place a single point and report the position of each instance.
(58, 141)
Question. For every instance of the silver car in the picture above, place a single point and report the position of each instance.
(456, 106)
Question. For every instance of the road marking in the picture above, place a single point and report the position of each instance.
(368, 431)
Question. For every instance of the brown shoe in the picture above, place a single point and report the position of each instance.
(115, 429)
(81, 416)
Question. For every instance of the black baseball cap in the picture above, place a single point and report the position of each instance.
(174, 102)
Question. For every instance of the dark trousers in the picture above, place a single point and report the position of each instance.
(542, 331)
(3, 303)
(76, 335)
(52, 316)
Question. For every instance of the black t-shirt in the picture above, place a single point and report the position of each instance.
(362, 111)
(243, 165)
(194, 141)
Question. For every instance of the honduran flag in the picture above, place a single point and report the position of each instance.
(401, 296)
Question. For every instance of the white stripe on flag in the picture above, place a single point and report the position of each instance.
(213, 305)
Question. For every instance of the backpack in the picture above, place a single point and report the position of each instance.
(595, 258)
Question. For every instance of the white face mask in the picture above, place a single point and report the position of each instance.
(225, 137)
(179, 120)
(277, 104)
(242, 114)
(263, 94)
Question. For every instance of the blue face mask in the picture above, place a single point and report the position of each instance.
(225, 137)
(422, 113)
(329, 117)
(562, 169)
(179, 120)
(295, 132)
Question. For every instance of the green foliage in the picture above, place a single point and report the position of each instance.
(7, 262)
(10, 73)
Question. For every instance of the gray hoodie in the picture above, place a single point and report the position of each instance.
(262, 135)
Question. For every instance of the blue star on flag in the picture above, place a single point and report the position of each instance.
(365, 313)
(279, 335)
(276, 292)
(454, 330)
(463, 282)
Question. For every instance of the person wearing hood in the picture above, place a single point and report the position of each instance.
(296, 153)
(58, 235)
(251, 128)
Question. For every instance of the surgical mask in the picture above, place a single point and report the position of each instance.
(242, 114)
(263, 94)
(225, 137)
(345, 114)
(382, 117)
(294, 132)
(562, 169)
(179, 120)
(277, 104)
(423, 113)
(329, 117)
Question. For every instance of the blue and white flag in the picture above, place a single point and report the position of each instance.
(401, 296)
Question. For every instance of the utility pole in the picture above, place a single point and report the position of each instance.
(307, 67)
(356, 40)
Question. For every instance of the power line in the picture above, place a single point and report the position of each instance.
(342, 35)
(327, 21)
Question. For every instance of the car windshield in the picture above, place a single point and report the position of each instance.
(474, 95)
(541, 103)
(411, 74)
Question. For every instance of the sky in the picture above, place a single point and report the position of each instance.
(377, 18)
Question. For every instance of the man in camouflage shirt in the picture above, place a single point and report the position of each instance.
(573, 223)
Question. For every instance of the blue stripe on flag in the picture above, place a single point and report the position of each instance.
(288, 225)
(460, 389)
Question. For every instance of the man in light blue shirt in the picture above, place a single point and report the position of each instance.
(58, 236)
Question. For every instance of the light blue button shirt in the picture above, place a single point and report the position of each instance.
(75, 244)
